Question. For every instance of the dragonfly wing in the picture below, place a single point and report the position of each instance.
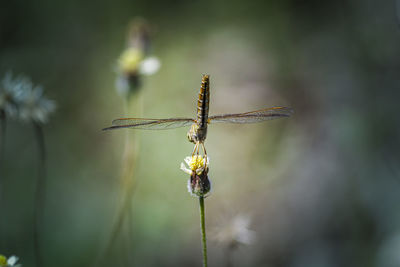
(253, 116)
(150, 124)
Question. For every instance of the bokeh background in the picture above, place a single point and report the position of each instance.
(320, 188)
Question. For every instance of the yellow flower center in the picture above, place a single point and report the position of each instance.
(197, 162)
(130, 59)
(3, 261)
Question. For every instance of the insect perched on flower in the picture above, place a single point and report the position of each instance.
(197, 164)
(198, 131)
(197, 168)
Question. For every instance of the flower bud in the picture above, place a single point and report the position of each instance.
(197, 167)
(199, 184)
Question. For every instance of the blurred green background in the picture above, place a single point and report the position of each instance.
(321, 188)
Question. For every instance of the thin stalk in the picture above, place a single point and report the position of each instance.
(2, 184)
(203, 231)
(126, 204)
(39, 194)
(128, 178)
(128, 181)
(229, 254)
(3, 125)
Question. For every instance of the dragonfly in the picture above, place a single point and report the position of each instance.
(198, 126)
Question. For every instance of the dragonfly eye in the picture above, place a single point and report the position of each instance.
(190, 136)
(192, 133)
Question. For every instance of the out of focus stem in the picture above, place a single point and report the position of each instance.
(2, 184)
(132, 104)
(40, 193)
(2, 137)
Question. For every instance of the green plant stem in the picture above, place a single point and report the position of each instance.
(228, 255)
(203, 231)
(132, 104)
(120, 219)
(3, 126)
(2, 183)
(128, 178)
(40, 193)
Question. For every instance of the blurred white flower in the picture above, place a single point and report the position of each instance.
(235, 232)
(149, 66)
(34, 105)
(131, 66)
(9, 89)
(4, 262)
(19, 96)
(12, 261)
(133, 61)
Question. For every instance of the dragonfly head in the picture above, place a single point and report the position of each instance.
(192, 133)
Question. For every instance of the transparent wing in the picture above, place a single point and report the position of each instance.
(150, 124)
(252, 116)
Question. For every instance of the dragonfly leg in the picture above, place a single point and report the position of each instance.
(205, 152)
(196, 146)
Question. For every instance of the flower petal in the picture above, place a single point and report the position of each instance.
(12, 260)
(183, 168)
(149, 66)
(188, 160)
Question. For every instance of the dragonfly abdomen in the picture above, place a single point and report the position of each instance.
(203, 102)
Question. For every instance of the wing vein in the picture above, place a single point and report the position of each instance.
(253, 116)
(150, 124)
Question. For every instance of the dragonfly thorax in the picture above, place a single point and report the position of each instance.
(196, 133)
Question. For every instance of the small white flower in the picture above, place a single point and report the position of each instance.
(133, 61)
(11, 261)
(34, 105)
(131, 66)
(197, 167)
(195, 163)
